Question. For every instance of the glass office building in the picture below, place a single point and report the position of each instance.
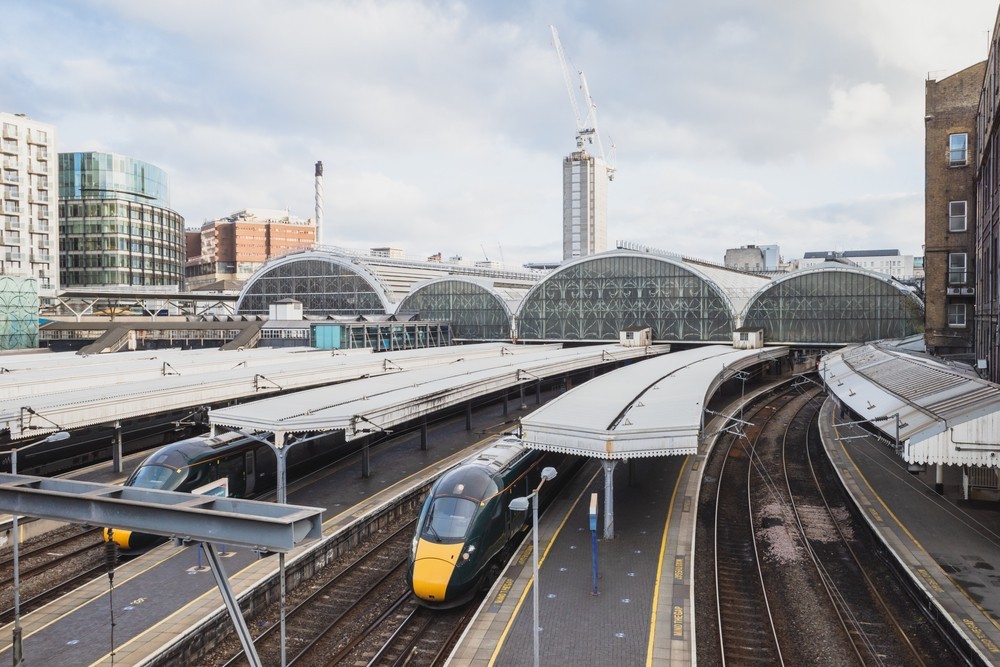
(116, 227)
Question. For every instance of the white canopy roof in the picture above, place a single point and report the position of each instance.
(652, 408)
(945, 413)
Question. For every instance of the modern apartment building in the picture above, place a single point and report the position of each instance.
(585, 205)
(29, 245)
(951, 105)
(116, 227)
(232, 248)
(891, 262)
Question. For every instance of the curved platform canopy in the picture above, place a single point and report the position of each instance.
(938, 413)
(833, 305)
(595, 298)
(477, 308)
(337, 281)
(655, 407)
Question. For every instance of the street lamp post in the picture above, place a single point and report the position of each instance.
(520, 505)
(15, 536)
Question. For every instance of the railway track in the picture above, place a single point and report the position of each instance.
(795, 579)
(50, 568)
(363, 614)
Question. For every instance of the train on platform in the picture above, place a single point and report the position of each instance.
(230, 464)
(466, 530)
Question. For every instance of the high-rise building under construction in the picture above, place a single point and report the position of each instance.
(585, 205)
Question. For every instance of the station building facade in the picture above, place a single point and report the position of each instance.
(116, 227)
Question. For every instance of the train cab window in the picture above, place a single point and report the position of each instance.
(157, 477)
(449, 518)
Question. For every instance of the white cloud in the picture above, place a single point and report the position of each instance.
(442, 125)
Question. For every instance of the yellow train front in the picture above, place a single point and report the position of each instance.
(465, 530)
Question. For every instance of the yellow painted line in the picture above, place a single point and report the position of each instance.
(524, 594)
(659, 569)
(926, 575)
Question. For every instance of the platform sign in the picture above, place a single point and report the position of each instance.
(593, 536)
(219, 487)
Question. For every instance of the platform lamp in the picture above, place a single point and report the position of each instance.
(521, 505)
(16, 648)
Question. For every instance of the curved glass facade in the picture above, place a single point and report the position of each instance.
(115, 224)
(18, 313)
(323, 286)
(834, 307)
(598, 297)
(475, 312)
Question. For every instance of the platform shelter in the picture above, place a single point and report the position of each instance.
(656, 407)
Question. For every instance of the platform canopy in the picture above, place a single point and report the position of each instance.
(944, 413)
(649, 408)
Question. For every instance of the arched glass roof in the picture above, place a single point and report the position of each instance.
(478, 309)
(338, 281)
(835, 305)
(594, 298)
(324, 283)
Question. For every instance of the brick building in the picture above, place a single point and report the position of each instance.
(987, 232)
(951, 106)
(232, 248)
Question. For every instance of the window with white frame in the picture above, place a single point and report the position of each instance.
(958, 149)
(957, 216)
(956, 315)
(957, 268)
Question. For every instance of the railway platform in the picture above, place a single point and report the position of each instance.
(950, 547)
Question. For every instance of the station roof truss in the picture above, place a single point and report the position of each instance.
(78, 408)
(652, 408)
(83, 302)
(263, 526)
(944, 413)
(379, 403)
(380, 282)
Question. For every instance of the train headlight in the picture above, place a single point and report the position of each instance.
(466, 554)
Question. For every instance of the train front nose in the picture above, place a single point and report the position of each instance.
(122, 537)
(433, 568)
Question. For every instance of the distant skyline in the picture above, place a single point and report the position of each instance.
(442, 126)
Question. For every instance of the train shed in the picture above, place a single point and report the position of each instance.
(932, 412)
(656, 408)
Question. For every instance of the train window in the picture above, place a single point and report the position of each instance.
(449, 518)
(157, 477)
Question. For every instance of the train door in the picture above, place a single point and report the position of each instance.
(249, 472)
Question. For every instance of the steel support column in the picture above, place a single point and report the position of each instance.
(609, 498)
(233, 605)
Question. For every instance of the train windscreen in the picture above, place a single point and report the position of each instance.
(449, 518)
(157, 477)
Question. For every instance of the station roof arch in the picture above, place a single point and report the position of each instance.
(652, 408)
(594, 298)
(833, 306)
(944, 413)
(477, 308)
(337, 281)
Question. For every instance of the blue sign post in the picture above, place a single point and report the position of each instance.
(593, 536)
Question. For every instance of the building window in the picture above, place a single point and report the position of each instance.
(957, 265)
(957, 218)
(958, 149)
(956, 315)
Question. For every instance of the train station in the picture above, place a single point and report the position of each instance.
(351, 384)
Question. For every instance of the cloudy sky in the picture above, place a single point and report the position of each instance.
(442, 125)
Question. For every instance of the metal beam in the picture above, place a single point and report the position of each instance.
(250, 523)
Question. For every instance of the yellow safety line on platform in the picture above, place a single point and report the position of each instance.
(659, 569)
(989, 644)
(531, 581)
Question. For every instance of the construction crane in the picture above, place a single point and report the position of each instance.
(586, 128)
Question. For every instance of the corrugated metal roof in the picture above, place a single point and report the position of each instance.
(652, 408)
(945, 414)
